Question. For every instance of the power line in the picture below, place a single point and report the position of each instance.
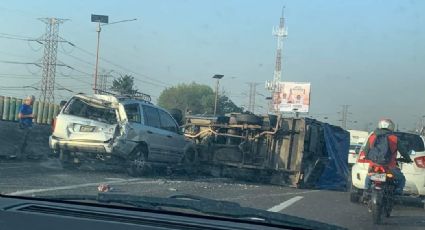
(123, 68)
(78, 59)
(136, 79)
(15, 35)
(20, 63)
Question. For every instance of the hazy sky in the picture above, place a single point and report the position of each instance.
(369, 54)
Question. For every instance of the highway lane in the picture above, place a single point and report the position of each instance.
(48, 178)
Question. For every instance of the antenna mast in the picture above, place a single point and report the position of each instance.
(280, 32)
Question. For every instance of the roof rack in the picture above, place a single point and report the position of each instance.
(135, 95)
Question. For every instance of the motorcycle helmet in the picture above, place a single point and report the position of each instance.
(386, 124)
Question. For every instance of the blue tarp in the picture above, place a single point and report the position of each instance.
(335, 174)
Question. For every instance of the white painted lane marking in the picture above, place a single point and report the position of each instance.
(31, 191)
(115, 179)
(285, 204)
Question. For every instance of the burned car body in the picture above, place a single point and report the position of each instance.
(109, 128)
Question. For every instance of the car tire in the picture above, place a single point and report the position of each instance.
(354, 194)
(66, 160)
(137, 162)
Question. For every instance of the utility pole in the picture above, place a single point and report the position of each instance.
(50, 40)
(280, 32)
(252, 93)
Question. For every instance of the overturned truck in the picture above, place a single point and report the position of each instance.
(301, 152)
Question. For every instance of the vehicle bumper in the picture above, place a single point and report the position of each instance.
(358, 175)
(415, 184)
(79, 146)
(352, 159)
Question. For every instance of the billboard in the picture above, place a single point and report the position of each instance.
(292, 97)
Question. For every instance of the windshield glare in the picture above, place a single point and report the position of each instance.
(277, 106)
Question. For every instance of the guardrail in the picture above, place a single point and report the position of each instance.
(44, 112)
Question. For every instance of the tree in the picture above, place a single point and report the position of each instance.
(124, 85)
(225, 105)
(197, 98)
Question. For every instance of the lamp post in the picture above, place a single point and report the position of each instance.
(218, 77)
(102, 20)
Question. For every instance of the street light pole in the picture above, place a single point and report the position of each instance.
(104, 19)
(218, 77)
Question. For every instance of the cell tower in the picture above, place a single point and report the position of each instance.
(50, 40)
(280, 32)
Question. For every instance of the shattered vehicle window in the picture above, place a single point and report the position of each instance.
(81, 108)
(253, 111)
(133, 113)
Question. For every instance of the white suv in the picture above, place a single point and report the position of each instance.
(414, 172)
(121, 129)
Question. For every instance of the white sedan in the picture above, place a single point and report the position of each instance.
(414, 172)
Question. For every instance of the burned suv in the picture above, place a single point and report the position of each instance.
(118, 129)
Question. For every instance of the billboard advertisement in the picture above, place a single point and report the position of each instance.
(292, 97)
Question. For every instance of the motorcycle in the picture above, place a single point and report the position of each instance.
(382, 195)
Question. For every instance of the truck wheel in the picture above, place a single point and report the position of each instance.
(250, 119)
(66, 160)
(354, 194)
(137, 161)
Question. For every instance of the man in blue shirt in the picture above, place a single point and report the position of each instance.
(25, 113)
(25, 116)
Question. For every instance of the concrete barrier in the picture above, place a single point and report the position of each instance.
(12, 141)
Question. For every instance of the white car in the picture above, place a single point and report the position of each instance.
(414, 172)
(353, 153)
(124, 130)
(357, 138)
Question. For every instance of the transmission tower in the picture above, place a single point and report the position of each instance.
(280, 32)
(344, 116)
(251, 98)
(103, 83)
(50, 40)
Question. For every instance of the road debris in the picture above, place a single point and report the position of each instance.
(104, 188)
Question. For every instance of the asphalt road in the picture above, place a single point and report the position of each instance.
(48, 178)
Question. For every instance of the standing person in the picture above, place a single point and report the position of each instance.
(25, 121)
(25, 113)
(381, 148)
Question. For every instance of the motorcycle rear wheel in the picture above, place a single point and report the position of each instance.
(388, 208)
(377, 214)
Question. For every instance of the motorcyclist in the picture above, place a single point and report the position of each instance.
(386, 127)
